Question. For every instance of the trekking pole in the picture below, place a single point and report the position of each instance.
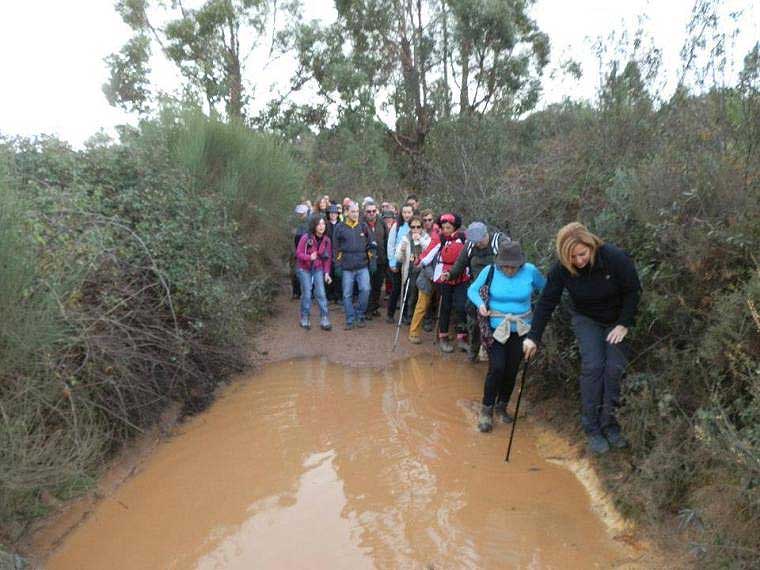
(517, 410)
(401, 311)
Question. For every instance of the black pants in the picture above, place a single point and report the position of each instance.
(453, 298)
(411, 295)
(503, 363)
(395, 292)
(335, 289)
(295, 283)
(376, 281)
(473, 330)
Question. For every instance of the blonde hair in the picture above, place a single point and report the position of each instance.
(571, 235)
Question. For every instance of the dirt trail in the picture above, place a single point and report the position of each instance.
(310, 463)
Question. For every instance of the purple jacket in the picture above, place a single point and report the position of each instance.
(307, 245)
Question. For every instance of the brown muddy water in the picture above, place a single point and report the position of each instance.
(312, 465)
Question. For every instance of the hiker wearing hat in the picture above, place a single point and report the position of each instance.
(604, 290)
(314, 254)
(480, 250)
(379, 234)
(502, 293)
(453, 291)
(354, 251)
(333, 289)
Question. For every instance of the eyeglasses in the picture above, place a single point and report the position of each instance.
(416, 227)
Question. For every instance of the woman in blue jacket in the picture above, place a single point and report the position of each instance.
(502, 292)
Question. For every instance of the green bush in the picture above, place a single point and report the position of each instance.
(131, 282)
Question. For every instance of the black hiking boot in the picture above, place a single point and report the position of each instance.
(501, 412)
(485, 419)
(615, 438)
(597, 444)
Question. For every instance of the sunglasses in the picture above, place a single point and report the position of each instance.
(371, 211)
(427, 219)
(416, 227)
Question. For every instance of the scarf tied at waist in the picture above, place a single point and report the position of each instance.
(502, 332)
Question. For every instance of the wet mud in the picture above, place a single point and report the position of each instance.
(310, 464)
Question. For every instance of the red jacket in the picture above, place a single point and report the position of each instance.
(444, 254)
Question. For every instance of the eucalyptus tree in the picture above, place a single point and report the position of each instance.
(209, 45)
(411, 62)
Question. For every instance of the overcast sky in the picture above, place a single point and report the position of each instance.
(51, 54)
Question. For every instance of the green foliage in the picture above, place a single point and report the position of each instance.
(208, 45)
(353, 160)
(130, 275)
(410, 56)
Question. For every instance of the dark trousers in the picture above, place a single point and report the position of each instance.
(473, 330)
(395, 292)
(295, 283)
(453, 298)
(411, 295)
(503, 363)
(335, 289)
(376, 281)
(602, 368)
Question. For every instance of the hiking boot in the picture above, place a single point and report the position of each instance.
(463, 345)
(406, 321)
(348, 327)
(445, 345)
(615, 438)
(472, 355)
(597, 444)
(427, 326)
(324, 324)
(485, 419)
(361, 322)
(390, 319)
(501, 412)
(415, 340)
(305, 322)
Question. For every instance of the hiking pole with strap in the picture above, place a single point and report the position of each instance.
(401, 311)
(517, 410)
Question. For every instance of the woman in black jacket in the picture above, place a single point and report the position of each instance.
(604, 292)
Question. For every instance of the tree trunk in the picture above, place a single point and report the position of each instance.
(464, 94)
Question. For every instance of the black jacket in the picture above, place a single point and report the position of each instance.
(380, 236)
(608, 292)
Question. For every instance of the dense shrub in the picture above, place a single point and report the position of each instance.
(130, 275)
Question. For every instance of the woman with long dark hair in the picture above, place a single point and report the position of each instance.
(396, 234)
(314, 255)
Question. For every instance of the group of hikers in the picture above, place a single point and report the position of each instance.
(476, 288)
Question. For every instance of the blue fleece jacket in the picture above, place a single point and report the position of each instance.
(507, 294)
(395, 236)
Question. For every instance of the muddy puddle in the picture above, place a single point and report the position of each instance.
(312, 465)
